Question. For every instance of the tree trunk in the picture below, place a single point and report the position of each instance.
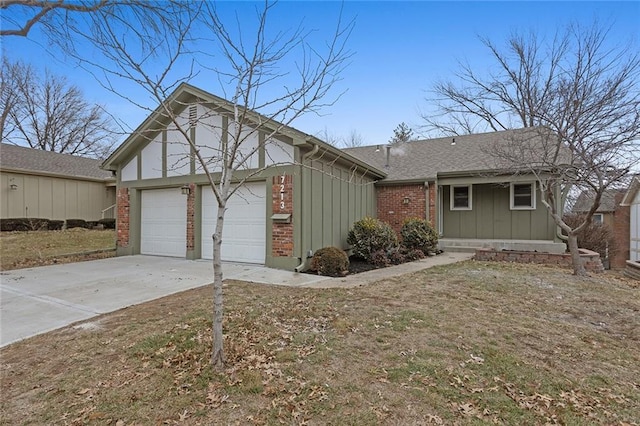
(217, 356)
(578, 266)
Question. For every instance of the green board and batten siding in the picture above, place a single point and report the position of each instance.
(492, 218)
(333, 199)
(328, 198)
(55, 198)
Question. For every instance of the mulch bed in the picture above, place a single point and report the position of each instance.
(357, 265)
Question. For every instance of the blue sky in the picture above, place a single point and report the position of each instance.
(400, 50)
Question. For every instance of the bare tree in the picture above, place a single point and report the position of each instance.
(582, 94)
(12, 76)
(353, 140)
(65, 22)
(250, 61)
(402, 133)
(331, 138)
(51, 115)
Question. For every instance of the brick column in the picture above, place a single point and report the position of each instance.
(282, 202)
(433, 211)
(191, 209)
(122, 201)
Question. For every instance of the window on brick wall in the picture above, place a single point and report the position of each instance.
(461, 197)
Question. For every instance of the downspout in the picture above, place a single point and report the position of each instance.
(426, 210)
(304, 253)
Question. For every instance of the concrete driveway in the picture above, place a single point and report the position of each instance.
(37, 300)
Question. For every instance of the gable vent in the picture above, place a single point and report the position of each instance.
(193, 115)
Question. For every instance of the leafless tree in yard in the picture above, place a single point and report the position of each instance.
(582, 94)
(269, 78)
(50, 114)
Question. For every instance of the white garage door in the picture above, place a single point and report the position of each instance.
(164, 222)
(243, 237)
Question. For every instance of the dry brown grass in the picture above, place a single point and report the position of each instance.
(38, 248)
(461, 344)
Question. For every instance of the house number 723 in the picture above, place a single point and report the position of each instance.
(282, 179)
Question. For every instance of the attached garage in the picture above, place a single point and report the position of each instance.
(163, 222)
(298, 193)
(245, 226)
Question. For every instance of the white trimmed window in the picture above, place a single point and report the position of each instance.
(523, 196)
(597, 218)
(461, 197)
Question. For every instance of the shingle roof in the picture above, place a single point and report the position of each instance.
(608, 203)
(14, 157)
(425, 159)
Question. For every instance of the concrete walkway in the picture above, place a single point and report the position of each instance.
(37, 300)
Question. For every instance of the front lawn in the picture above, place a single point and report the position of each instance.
(38, 248)
(459, 344)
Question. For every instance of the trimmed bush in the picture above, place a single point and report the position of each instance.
(414, 254)
(370, 235)
(77, 223)
(108, 223)
(330, 261)
(55, 225)
(23, 224)
(419, 234)
(380, 259)
(397, 256)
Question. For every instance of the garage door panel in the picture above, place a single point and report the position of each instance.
(243, 238)
(163, 222)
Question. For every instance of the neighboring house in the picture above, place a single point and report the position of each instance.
(613, 214)
(608, 204)
(455, 184)
(307, 197)
(44, 184)
(632, 201)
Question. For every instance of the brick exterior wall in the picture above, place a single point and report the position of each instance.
(122, 202)
(282, 202)
(432, 204)
(399, 202)
(621, 235)
(191, 217)
(591, 259)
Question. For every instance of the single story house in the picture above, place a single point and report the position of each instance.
(632, 200)
(613, 214)
(457, 183)
(300, 195)
(605, 213)
(48, 185)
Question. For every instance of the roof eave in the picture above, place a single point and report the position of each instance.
(53, 174)
(630, 195)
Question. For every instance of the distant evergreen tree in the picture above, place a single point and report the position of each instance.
(402, 133)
